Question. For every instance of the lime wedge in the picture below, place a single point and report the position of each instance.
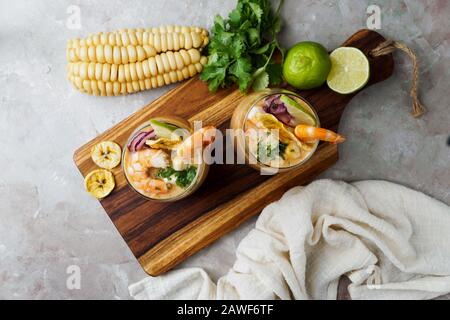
(165, 130)
(350, 70)
(300, 113)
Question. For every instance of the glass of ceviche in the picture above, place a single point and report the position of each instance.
(164, 160)
(277, 129)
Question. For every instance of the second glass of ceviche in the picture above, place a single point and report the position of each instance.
(164, 158)
(278, 130)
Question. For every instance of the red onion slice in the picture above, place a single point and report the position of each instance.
(276, 107)
(135, 141)
(138, 143)
(268, 101)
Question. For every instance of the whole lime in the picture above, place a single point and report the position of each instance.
(307, 65)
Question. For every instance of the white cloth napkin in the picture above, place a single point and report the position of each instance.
(391, 241)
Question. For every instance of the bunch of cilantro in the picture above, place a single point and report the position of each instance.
(242, 47)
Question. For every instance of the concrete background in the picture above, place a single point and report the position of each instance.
(48, 222)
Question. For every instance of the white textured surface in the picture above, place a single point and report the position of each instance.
(48, 222)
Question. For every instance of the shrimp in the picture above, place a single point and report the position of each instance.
(139, 171)
(190, 148)
(156, 186)
(310, 134)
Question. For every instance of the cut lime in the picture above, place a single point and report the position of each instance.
(301, 114)
(165, 130)
(350, 70)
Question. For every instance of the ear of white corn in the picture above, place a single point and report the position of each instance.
(131, 60)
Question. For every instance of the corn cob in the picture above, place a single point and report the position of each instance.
(106, 79)
(124, 45)
(131, 60)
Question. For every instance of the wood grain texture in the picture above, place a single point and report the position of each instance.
(161, 235)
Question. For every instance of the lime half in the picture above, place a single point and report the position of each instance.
(350, 70)
(301, 114)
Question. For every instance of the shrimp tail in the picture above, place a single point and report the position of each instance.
(339, 139)
(309, 134)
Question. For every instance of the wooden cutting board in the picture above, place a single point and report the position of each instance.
(161, 235)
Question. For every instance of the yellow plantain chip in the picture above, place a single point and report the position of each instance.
(269, 121)
(162, 143)
(106, 154)
(99, 183)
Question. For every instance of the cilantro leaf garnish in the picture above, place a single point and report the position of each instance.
(266, 151)
(183, 178)
(282, 149)
(165, 173)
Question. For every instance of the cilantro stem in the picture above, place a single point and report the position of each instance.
(271, 54)
(280, 4)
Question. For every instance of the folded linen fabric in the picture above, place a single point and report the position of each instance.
(391, 241)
